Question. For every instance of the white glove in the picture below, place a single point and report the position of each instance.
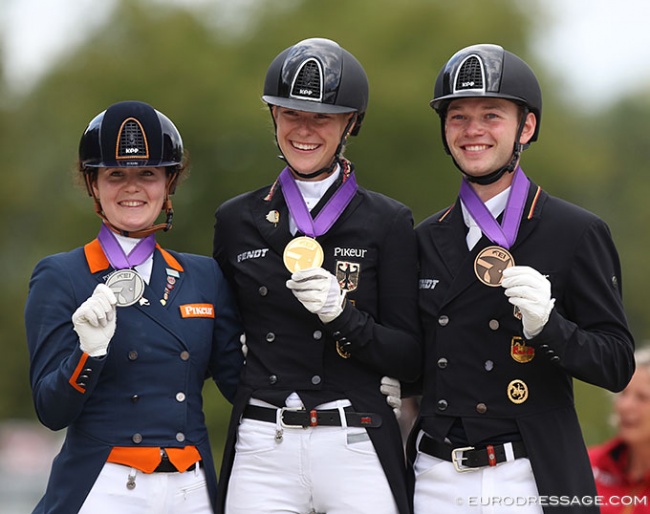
(319, 291)
(244, 346)
(530, 291)
(94, 321)
(393, 391)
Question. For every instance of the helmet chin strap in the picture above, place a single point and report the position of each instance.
(337, 155)
(492, 177)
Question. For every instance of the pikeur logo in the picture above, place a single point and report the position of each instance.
(197, 310)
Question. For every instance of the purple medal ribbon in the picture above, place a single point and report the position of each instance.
(505, 234)
(115, 254)
(324, 220)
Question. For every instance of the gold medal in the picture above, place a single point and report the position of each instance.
(302, 253)
(490, 263)
(520, 351)
(517, 391)
(127, 285)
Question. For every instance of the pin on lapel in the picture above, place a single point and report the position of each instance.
(273, 217)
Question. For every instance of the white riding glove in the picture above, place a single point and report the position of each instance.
(319, 291)
(530, 291)
(392, 389)
(94, 321)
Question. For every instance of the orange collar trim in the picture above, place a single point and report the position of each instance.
(97, 260)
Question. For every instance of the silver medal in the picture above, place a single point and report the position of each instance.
(127, 285)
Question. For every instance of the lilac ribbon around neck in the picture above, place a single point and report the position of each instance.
(324, 220)
(505, 234)
(115, 254)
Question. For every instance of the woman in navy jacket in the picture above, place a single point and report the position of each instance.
(122, 335)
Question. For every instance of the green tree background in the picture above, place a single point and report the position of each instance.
(207, 76)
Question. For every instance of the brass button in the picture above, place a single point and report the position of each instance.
(443, 321)
(481, 408)
(185, 355)
(442, 363)
(270, 337)
(137, 438)
(494, 324)
(133, 355)
(318, 335)
(489, 365)
(442, 404)
(180, 397)
(273, 379)
(180, 437)
(315, 380)
(263, 291)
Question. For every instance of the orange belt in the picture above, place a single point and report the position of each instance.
(147, 459)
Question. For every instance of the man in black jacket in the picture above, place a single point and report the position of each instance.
(520, 292)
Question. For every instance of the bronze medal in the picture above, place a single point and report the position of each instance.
(490, 263)
(302, 253)
(127, 285)
(520, 351)
(517, 391)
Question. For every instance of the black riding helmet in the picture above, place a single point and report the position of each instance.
(132, 134)
(488, 71)
(317, 75)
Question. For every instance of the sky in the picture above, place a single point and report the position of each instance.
(595, 48)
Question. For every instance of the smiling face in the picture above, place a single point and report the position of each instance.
(131, 198)
(308, 140)
(480, 133)
(632, 407)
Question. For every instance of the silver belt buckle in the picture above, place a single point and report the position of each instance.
(285, 409)
(457, 459)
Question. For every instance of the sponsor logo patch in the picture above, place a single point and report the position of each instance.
(197, 310)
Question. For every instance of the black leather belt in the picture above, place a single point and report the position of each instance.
(292, 418)
(470, 458)
(166, 465)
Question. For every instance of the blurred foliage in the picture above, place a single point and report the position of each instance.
(206, 73)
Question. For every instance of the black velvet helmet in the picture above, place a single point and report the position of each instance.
(317, 75)
(488, 71)
(130, 134)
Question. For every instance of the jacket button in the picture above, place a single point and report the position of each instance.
(137, 438)
(318, 335)
(494, 324)
(481, 408)
(442, 363)
(555, 358)
(135, 398)
(263, 291)
(180, 397)
(315, 380)
(133, 355)
(442, 404)
(180, 437)
(443, 321)
(489, 365)
(273, 379)
(185, 355)
(270, 337)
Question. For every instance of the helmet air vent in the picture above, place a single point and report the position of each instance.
(470, 76)
(132, 141)
(308, 82)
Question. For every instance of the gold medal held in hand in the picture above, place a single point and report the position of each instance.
(302, 253)
(490, 263)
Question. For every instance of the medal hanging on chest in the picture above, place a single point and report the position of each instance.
(305, 252)
(125, 282)
(491, 261)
